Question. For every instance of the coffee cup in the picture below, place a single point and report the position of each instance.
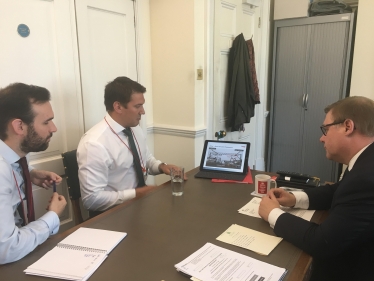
(262, 184)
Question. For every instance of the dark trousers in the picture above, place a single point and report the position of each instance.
(95, 213)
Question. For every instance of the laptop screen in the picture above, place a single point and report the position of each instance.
(225, 156)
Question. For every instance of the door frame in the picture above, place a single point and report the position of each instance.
(262, 74)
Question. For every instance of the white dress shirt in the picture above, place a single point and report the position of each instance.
(302, 199)
(106, 170)
(16, 241)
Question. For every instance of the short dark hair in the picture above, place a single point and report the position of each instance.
(16, 103)
(121, 89)
(358, 109)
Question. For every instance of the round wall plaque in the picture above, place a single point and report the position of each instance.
(23, 30)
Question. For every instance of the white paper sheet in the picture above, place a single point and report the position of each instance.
(212, 263)
(250, 239)
(251, 209)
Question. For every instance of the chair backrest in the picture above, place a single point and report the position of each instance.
(71, 172)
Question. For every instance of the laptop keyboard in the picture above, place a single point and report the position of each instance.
(215, 175)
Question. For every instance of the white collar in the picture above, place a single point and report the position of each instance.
(117, 128)
(7, 153)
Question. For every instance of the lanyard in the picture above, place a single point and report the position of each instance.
(141, 157)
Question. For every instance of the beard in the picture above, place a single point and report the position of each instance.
(33, 142)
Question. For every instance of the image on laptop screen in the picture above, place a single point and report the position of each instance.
(225, 156)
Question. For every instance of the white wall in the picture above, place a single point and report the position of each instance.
(172, 37)
(362, 82)
(143, 33)
(178, 49)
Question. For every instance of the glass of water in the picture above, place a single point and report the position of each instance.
(177, 180)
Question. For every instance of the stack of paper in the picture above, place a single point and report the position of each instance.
(78, 255)
(251, 209)
(211, 263)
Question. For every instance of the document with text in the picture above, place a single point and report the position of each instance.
(251, 209)
(213, 263)
(250, 239)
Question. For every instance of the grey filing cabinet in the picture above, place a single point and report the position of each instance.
(311, 69)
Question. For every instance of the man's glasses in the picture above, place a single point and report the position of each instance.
(325, 128)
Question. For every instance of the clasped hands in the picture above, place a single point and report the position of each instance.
(273, 199)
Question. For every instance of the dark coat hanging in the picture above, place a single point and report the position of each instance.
(241, 100)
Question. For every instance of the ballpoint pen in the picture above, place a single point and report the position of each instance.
(54, 186)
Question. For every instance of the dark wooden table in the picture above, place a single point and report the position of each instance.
(163, 230)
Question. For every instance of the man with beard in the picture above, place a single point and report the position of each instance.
(342, 246)
(25, 126)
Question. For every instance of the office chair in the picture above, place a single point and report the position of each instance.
(71, 172)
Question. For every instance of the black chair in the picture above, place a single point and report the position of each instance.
(71, 172)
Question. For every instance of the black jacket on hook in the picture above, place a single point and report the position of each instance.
(241, 100)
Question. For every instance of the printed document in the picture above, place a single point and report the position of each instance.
(250, 239)
(251, 209)
(213, 263)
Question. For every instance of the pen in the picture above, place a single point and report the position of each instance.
(54, 186)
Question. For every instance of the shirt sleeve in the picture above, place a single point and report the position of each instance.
(273, 216)
(94, 162)
(302, 202)
(15, 242)
(152, 163)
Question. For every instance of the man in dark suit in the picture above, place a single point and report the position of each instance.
(342, 246)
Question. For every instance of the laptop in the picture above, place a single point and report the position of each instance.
(224, 160)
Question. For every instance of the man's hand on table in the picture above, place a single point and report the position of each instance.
(274, 198)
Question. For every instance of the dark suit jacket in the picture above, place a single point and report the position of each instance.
(241, 99)
(342, 246)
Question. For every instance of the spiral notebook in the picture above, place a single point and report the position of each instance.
(78, 255)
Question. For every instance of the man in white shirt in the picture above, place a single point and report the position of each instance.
(25, 126)
(342, 246)
(111, 170)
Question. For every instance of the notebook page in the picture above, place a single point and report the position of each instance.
(66, 264)
(43, 273)
(94, 238)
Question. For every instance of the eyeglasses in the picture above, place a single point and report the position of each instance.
(324, 128)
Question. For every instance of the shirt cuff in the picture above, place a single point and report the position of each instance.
(153, 170)
(127, 194)
(52, 220)
(274, 215)
(302, 200)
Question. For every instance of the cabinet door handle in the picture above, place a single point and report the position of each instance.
(303, 102)
(306, 101)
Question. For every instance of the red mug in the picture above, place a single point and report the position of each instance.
(262, 184)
